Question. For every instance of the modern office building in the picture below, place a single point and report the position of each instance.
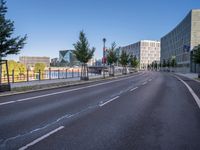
(180, 42)
(54, 62)
(30, 61)
(67, 58)
(146, 51)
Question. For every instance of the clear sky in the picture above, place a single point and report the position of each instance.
(53, 25)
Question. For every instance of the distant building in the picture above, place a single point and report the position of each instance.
(146, 51)
(180, 42)
(54, 62)
(67, 58)
(30, 61)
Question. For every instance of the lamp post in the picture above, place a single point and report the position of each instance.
(104, 55)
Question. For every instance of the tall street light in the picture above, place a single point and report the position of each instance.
(104, 56)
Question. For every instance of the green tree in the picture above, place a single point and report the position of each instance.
(8, 44)
(22, 69)
(112, 58)
(124, 60)
(39, 67)
(133, 61)
(83, 53)
(164, 63)
(196, 56)
(173, 62)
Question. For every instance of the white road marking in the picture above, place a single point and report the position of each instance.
(7, 102)
(150, 80)
(108, 101)
(144, 83)
(190, 90)
(41, 138)
(133, 89)
(66, 91)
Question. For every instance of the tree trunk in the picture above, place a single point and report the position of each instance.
(84, 72)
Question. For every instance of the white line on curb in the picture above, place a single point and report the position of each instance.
(133, 89)
(190, 90)
(66, 91)
(108, 101)
(41, 138)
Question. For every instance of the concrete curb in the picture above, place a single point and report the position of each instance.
(70, 85)
(187, 77)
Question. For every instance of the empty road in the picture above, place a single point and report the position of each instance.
(143, 111)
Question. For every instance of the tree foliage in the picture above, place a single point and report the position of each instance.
(18, 68)
(112, 54)
(39, 67)
(124, 59)
(133, 61)
(173, 62)
(8, 44)
(82, 51)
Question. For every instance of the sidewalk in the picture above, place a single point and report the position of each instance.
(25, 87)
(193, 76)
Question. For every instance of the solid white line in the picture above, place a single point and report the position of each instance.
(66, 91)
(108, 101)
(133, 89)
(7, 102)
(190, 90)
(144, 83)
(41, 138)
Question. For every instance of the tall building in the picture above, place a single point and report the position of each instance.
(67, 58)
(146, 51)
(181, 40)
(30, 61)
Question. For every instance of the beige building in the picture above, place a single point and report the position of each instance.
(146, 51)
(31, 61)
(180, 42)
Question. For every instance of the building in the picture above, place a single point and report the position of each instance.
(146, 51)
(30, 61)
(180, 42)
(54, 62)
(67, 58)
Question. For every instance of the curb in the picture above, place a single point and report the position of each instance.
(70, 85)
(187, 77)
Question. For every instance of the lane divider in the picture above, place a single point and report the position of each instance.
(41, 138)
(66, 91)
(196, 98)
(133, 89)
(102, 104)
(144, 83)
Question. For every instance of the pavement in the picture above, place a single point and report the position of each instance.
(189, 75)
(145, 111)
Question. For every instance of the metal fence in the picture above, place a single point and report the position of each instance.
(28, 76)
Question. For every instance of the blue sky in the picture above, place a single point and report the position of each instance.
(53, 25)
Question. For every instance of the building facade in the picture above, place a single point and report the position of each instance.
(146, 51)
(180, 42)
(54, 62)
(30, 61)
(67, 58)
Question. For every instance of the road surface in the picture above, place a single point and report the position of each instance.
(144, 111)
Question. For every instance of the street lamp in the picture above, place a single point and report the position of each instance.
(104, 56)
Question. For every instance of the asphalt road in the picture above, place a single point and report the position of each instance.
(147, 111)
